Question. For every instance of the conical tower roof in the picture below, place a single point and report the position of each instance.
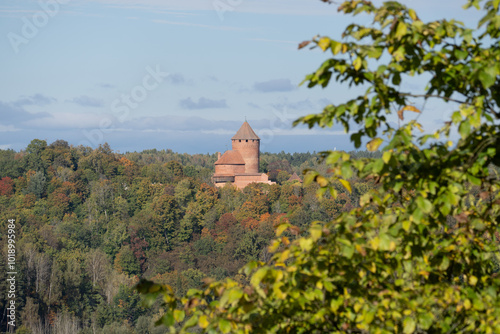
(245, 132)
(294, 177)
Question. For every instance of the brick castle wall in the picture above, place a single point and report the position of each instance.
(229, 169)
(249, 150)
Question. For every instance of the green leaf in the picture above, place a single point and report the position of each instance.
(347, 251)
(346, 169)
(464, 128)
(234, 295)
(409, 325)
(445, 263)
(191, 322)
(225, 326)
(168, 319)
(378, 166)
(336, 47)
(333, 157)
(401, 30)
(487, 76)
(425, 320)
(424, 204)
(460, 54)
(386, 242)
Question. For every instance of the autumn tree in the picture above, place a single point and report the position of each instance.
(6, 186)
(419, 252)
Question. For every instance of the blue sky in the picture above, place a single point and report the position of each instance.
(179, 75)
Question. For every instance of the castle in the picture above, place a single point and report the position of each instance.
(240, 166)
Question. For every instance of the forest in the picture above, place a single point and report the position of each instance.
(91, 222)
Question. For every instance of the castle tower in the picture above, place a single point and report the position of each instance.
(247, 143)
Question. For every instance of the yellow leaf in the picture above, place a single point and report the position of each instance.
(274, 246)
(392, 246)
(406, 225)
(467, 304)
(357, 307)
(322, 181)
(281, 228)
(409, 108)
(412, 14)
(346, 185)
(203, 321)
(375, 242)
(357, 63)
(316, 232)
(306, 244)
(324, 43)
(374, 144)
(179, 315)
(387, 156)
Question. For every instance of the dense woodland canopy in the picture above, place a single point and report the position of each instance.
(91, 222)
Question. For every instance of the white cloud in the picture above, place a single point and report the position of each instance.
(8, 128)
(65, 120)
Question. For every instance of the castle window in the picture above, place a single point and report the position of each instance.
(247, 140)
(239, 140)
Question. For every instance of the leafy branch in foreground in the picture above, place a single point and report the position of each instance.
(420, 253)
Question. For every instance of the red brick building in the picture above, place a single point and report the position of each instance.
(240, 166)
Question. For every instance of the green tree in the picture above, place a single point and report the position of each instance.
(126, 262)
(166, 217)
(37, 184)
(419, 253)
(282, 176)
(34, 157)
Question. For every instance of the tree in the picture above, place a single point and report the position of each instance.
(6, 186)
(424, 263)
(97, 264)
(36, 184)
(34, 157)
(126, 262)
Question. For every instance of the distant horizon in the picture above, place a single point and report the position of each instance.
(178, 152)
